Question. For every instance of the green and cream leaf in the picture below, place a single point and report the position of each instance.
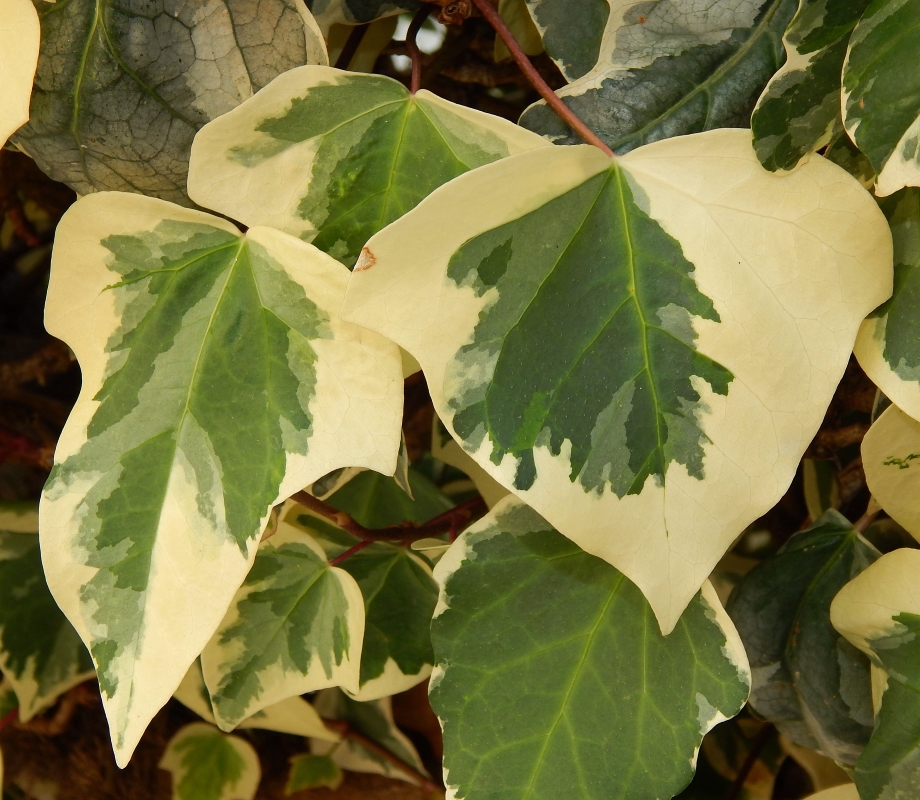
(623, 344)
(295, 626)
(352, 153)
(311, 772)
(573, 31)
(217, 380)
(209, 765)
(553, 679)
(19, 43)
(122, 88)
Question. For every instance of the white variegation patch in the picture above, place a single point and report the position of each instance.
(19, 40)
(792, 264)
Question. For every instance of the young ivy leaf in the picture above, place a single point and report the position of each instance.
(121, 88)
(352, 153)
(879, 612)
(624, 344)
(888, 345)
(295, 626)
(209, 765)
(891, 459)
(19, 42)
(807, 680)
(40, 653)
(667, 68)
(217, 380)
(881, 92)
(799, 110)
(553, 679)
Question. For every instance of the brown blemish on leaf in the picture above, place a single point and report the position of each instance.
(365, 261)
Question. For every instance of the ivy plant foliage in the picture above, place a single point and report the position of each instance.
(879, 612)
(622, 343)
(881, 92)
(552, 673)
(807, 679)
(310, 772)
(121, 87)
(356, 12)
(573, 32)
(40, 653)
(209, 765)
(891, 459)
(217, 380)
(399, 595)
(354, 152)
(671, 67)
(888, 345)
(295, 626)
(799, 111)
(19, 42)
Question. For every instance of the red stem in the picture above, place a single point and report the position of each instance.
(9, 719)
(412, 46)
(350, 552)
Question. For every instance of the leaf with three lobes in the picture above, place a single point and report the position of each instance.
(218, 379)
(807, 679)
(879, 612)
(888, 345)
(356, 12)
(799, 110)
(881, 92)
(373, 719)
(399, 598)
(40, 653)
(19, 43)
(295, 626)
(624, 344)
(891, 459)
(668, 68)
(553, 679)
(209, 765)
(293, 715)
(333, 157)
(122, 87)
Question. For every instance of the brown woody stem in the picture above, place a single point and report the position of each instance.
(536, 80)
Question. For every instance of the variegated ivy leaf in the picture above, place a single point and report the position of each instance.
(881, 92)
(295, 626)
(444, 448)
(209, 765)
(670, 67)
(19, 40)
(573, 31)
(553, 679)
(624, 344)
(333, 157)
(891, 459)
(807, 679)
(399, 598)
(217, 380)
(879, 612)
(122, 87)
(799, 110)
(293, 715)
(888, 345)
(40, 653)
(310, 772)
(516, 16)
(356, 12)
(374, 720)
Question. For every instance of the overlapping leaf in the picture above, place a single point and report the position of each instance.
(40, 653)
(807, 680)
(800, 108)
(217, 379)
(572, 31)
(891, 459)
(310, 772)
(333, 157)
(295, 626)
(879, 612)
(121, 87)
(888, 345)
(667, 68)
(553, 679)
(19, 42)
(881, 92)
(356, 12)
(209, 765)
(624, 345)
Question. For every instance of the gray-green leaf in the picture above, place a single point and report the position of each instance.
(807, 679)
(553, 679)
(573, 32)
(122, 87)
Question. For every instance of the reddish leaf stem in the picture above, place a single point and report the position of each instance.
(350, 552)
(9, 719)
(412, 46)
(536, 80)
